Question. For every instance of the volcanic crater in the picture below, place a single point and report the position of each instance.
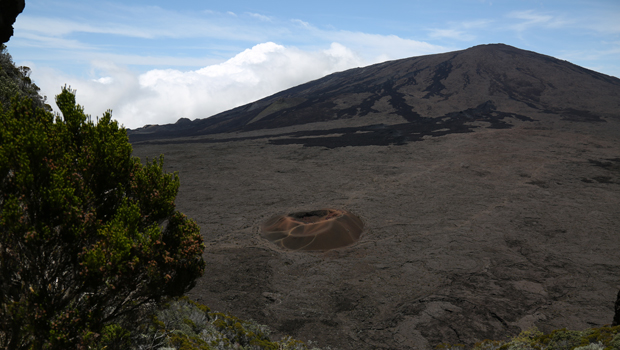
(314, 230)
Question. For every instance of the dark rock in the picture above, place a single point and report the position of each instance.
(9, 9)
(616, 321)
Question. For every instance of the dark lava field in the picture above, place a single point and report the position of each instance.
(487, 182)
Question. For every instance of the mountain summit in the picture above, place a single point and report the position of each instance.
(404, 100)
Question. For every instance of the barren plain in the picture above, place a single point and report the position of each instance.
(468, 236)
(481, 219)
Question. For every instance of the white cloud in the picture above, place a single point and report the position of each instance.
(451, 34)
(116, 23)
(529, 19)
(146, 22)
(59, 27)
(478, 24)
(462, 31)
(260, 17)
(38, 40)
(160, 96)
(254, 73)
(104, 80)
(302, 23)
(116, 87)
(128, 59)
(163, 96)
(377, 48)
(602, 22)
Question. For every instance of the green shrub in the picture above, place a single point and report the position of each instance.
(89, 236)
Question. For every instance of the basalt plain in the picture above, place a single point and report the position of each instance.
(487, 179)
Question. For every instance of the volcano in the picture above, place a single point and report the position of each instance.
(401, 101)
(485, 183)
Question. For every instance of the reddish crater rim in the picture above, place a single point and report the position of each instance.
(323, 229)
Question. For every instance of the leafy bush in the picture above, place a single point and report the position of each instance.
(89, 236)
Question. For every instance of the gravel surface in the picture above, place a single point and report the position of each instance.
(467, 235)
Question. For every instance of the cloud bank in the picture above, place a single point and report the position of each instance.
(114, 55)
(162, 96)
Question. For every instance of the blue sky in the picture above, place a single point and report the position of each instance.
(153, 62)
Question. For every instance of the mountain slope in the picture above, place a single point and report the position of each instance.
(421, 96)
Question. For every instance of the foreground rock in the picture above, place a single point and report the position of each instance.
(9, 10)
(504, 219)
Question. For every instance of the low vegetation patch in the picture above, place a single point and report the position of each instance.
(186, 325)
(603, 338)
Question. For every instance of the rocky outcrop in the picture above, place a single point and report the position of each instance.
(9, 9)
